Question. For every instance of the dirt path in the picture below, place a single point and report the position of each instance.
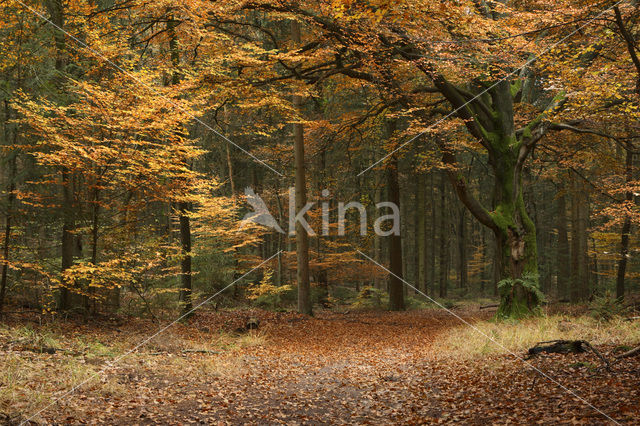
(359, 368)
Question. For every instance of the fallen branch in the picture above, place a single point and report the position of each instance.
(494, 305)
(40, 349)
(632, 318)
(629, 354)
(199, 351)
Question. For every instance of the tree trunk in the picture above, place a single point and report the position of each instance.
(67, 299)
(10, 201)
(585, 260)
(443, 239)
(432, 252)
(515, 235)
(421, 238)
(396, 291)
(490, 119)
(377, 239)
(183, 207)
(185, 263)
(95, 223)
(462, 251)
(302, 239)
(229, 160)
(626, 229)
(579, 265)
(563, 269)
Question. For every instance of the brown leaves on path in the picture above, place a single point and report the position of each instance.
(357, 368)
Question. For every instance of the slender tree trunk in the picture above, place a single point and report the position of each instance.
(626, 229)
(185, 263)
(183, 207)
(95, 223)
(585, 261)
(66, 298)
(484, 274)
(462, 251)
(432, 243)
(444, 239)
(229, 160)
(10, 202)
(563, 268)
(377, 239)
(396, 292)
(280, 271)
(576, 274)
(421, 238)
(302, 239)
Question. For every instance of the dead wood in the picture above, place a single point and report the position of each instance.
(629, 354)
(567, 346)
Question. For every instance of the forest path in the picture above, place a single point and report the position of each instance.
(356, 368)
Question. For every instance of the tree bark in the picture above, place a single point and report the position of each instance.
(462, 251)
(183, 207)
(67, 298)
(432, 251)
(491, 120)
(421, 238)
(579, 255)
(10, 202)
(302, 239)
(626, 229)
(229, 160)
(396, 286)
(185, 262)
(563, 268)
(444, 241)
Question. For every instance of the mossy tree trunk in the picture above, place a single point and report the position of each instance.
(489, 117)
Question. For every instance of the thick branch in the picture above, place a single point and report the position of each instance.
(459, 184)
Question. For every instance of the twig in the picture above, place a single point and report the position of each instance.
(199, 351)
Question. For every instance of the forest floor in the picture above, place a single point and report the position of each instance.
(358, 367)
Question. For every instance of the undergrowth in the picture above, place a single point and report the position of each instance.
(491, 337)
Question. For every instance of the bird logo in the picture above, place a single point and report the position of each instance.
(260, 214)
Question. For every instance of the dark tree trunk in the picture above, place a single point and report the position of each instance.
(95, 223)
(302, 239)
(67, 298)
(10, 202)
(444, 240)
(626, 229)
(563, 268)
(396, 291)
(421, 238)
(432, 241)
(462, 250)
(183, 207)
(185, 262)
(579, 254)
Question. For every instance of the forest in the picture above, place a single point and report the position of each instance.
(318, 212)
